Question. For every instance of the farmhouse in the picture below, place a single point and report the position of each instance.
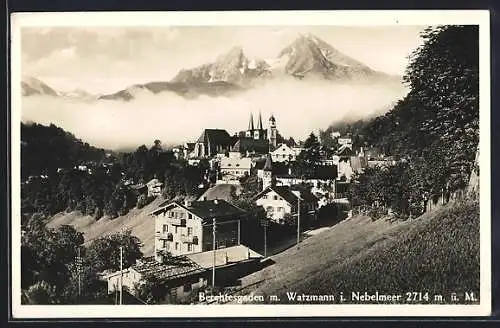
(185, 228)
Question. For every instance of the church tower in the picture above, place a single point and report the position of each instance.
(249, 132)
(272, 133)
(259, 132)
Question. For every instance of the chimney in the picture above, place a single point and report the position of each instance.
(187, 202)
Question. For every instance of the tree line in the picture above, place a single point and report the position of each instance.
(435, 126)
(61, 173)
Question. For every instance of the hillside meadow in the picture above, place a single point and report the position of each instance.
(436, 253)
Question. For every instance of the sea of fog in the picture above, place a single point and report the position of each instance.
(299, 108)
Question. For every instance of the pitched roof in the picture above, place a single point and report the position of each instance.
(215, 136)
(206, 209)
(221, 191)
(163, 271)
(286, 192)
(244, 144)
(190, 145)
(224, 256)
(305, 193)
(345, 150)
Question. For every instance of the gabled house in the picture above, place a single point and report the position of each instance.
(185, 228)
(283, 153)
(232, 168)
(281, 203)
(154, 187)
(184, 275)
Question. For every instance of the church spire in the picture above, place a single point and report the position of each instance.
(250, 123)
(259, 123)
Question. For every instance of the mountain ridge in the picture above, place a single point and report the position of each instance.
(306, 57)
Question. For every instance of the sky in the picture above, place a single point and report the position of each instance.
(106, 60)
(102, 60)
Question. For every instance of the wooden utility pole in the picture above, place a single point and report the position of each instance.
(121, 275)
(79, 267)
(264, 222)
(265, 239)
(213, 266)
(298, 221)
(239, 232)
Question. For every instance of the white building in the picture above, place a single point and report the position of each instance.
(345, 170)
(185, 228)
(154, 187)
(233, 168)
(278, 201)
(283, 153)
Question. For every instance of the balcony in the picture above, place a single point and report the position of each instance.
(165, 235)
(189, 239)
(177, 222)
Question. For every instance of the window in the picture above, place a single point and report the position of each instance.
(280, 209)
(190, 216)
(165, 228)
(176, 229)
(190, 231)
(237, 165)
(176, 246)
(165, 244)
(275, 197)
(187, 288)
(171, 214)
(264, 197)
(190, 247)
(181, 215)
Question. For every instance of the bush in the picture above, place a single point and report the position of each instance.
(143, 200)
(40, 293)
(376, 213)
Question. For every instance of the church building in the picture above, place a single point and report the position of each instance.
(258, 139)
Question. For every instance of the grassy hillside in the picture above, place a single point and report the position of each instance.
(436, 253)
(138, 221)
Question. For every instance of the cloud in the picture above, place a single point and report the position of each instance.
(299, 108)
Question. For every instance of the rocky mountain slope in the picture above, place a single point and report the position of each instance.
(307, 56)
(31, 86)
